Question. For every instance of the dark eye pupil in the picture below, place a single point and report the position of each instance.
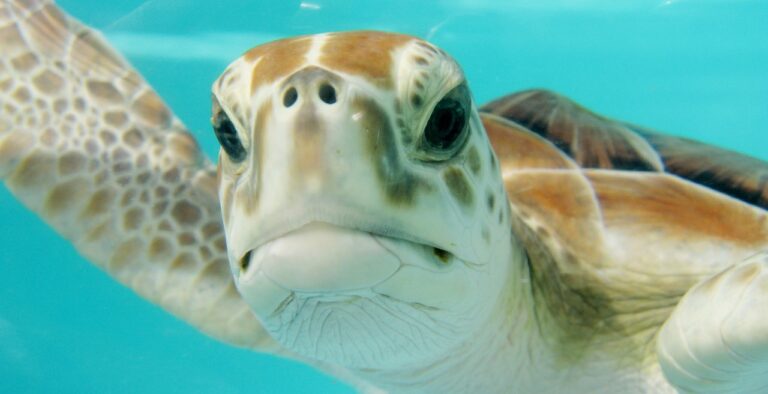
(445, 119)
(446, 124)
(227, 135)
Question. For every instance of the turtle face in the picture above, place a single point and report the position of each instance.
(361, 199)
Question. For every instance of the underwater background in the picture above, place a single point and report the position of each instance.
(696, 68)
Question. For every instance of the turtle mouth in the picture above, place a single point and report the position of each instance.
(247, 234)
(320, 271)
(441, 255)
(325, 258)
(245, 261)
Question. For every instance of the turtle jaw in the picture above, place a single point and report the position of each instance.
(322, 288)
(327, 260)
(320, 258)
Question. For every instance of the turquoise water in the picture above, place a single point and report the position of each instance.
(696, 68)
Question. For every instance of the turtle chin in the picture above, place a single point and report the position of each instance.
(358, 299)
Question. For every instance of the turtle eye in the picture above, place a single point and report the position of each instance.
(446, 128)
(227, 135)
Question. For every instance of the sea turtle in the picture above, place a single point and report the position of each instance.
(368, 219)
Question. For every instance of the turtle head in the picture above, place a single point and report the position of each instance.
(363, 206)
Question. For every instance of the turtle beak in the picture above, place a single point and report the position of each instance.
(321, 258)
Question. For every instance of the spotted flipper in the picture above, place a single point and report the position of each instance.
(87, 144)
(717, 338)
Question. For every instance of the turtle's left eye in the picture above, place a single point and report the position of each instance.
(227, 135)
(446, 128)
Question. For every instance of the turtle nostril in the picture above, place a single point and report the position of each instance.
(327, 93)
(290, 97)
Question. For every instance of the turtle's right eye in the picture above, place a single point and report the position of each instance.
(227, 135)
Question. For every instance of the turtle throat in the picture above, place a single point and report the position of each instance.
(487, 359)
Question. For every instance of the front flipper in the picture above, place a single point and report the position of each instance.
(716, 340)
(87, 144)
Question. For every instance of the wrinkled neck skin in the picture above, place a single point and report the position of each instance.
(511, 353)
(492, 360)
